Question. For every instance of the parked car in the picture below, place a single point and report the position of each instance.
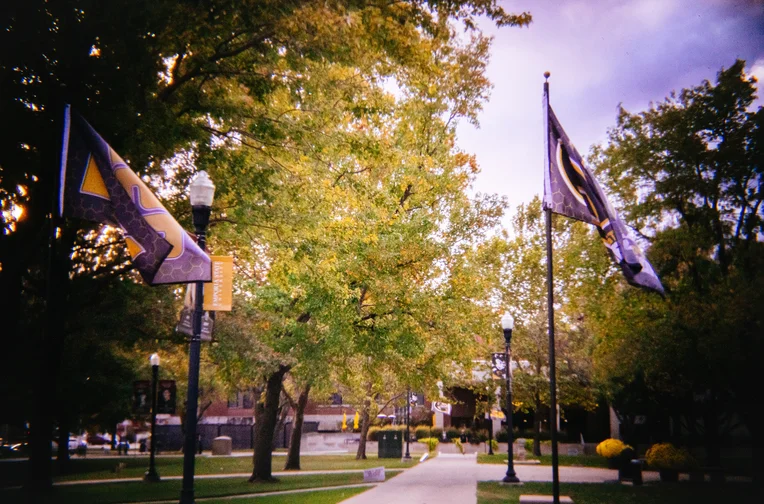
(72, 445)
(97, 440)
(14, 450)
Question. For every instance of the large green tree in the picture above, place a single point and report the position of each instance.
(688, 174)
(163, 78)
(372, 251)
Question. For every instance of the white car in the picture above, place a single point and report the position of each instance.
(72, 445)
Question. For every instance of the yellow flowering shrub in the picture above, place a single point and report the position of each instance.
(431, 442)
(610, 448)
(668, 456)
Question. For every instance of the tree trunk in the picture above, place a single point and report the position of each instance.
(293, 457)
(711, 428)
(62, 459)
(281, 418)
(361, 453)
(752, 421)
(266, 414)
(537, 418)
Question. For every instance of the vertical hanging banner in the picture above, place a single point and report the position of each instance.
(141, 397)
(97, 185)
(166, 397)
(218, 295)
(186, 320)
(499, 366)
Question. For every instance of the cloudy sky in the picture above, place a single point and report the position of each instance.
(601, 53)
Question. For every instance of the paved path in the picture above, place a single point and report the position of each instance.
(495, 472)
(446, 479)
(453, 479)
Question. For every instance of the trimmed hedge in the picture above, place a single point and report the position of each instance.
(426, 431)
(452, 433)
(373, 431)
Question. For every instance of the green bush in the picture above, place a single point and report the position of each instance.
(422, 432)
(452, 433)
(431, 443)
(458, 443)
(373, 434)
(501, 436)
(543, 435)
(494, 445)
(528, 445)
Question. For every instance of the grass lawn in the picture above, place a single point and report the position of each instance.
(565, 460)
(607, 493)
(317, 497)
(110, 493)
(12, 473)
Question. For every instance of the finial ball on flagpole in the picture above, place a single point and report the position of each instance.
(546, 75)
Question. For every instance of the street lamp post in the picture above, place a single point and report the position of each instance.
(408, 417)
(490, 433)
(202, 191)
(152, 476)
(507, 324)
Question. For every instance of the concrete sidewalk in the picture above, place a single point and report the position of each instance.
(446, 479)
(542, 473)
(453, 479)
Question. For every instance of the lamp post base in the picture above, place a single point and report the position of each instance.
(187, 497)
(151, 476)
(511, 477)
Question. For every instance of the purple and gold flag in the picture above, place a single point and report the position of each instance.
(570, 189)
(97, 185)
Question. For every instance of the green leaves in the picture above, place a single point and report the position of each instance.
(687, 173)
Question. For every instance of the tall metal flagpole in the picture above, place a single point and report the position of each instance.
(39, 473)
(550, 310)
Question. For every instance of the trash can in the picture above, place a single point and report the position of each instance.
(222, 445)
(390, 444)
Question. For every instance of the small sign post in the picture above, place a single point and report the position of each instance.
(374, 474)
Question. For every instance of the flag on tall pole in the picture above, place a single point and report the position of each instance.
(97, 185)
(550, 305)
(570, 189)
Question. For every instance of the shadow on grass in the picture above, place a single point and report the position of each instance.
(565, 460)
(609, 493)
(13, 473)
(112, 493)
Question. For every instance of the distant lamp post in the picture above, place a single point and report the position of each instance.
(152, 475)
(490, 433)
(408, 419)
(202, 191)
(507, 324)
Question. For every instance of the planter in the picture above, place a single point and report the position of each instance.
(671, 475)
